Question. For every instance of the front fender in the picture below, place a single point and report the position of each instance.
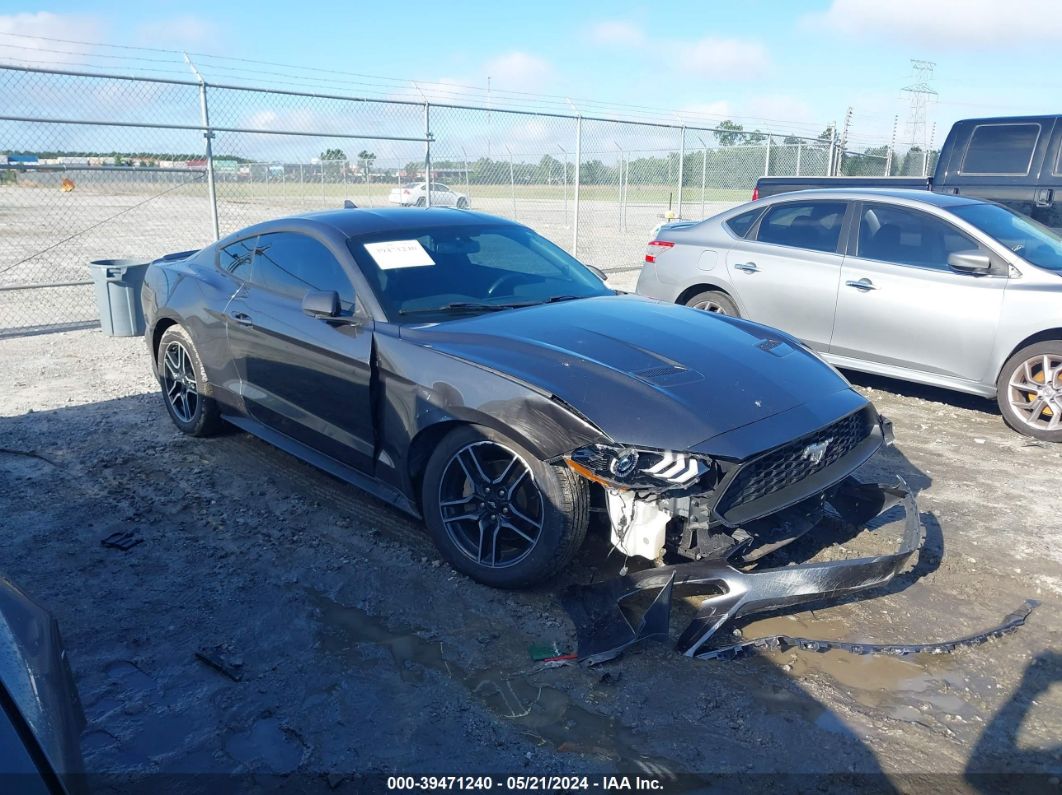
(420, 389)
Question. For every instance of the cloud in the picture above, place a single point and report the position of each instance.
(713, 58)
(706, 112)
(518, 71)
(74, 27)
(183, 32)
(617, 32)
(944, 23)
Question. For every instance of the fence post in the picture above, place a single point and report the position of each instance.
(208, 134)
(512, 179)
(575, 187)
(767, 159)
(704, 171)
(800, 146)
(682, 162)
(833, 151)
(427, 154)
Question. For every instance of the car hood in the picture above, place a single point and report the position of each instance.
(646, 373)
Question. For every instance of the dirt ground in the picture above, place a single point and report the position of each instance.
(359, 652)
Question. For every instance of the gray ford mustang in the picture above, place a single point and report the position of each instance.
(468, 371)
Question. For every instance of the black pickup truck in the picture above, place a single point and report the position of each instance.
(1014, 161)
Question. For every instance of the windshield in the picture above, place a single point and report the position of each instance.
(423, 275)
(409, 185)
(1030, 240)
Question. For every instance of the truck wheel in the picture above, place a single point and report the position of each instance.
(1029, 391)
(497, 513)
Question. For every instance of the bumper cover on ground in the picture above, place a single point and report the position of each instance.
(605, 629)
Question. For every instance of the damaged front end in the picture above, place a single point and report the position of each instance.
(723, 516)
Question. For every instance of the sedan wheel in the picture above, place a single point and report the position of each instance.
(714, 301)
(1030, 391)
(498, 513)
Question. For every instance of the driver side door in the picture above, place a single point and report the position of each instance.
(304, 376)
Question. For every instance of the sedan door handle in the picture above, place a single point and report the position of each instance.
(863, 284)
(748, 267)
(242, 319)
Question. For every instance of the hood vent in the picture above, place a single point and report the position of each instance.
(667, 375)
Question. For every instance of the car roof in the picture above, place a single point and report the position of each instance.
(352, 222)
(903, 194)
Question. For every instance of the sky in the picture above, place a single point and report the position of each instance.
(780, 66)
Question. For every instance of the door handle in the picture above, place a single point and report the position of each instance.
(242, 319)
(747, 267)
(863, 284)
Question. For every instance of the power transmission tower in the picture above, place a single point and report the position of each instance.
(920, 94)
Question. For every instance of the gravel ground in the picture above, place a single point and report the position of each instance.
(359, 651)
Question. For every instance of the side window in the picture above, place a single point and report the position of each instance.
(741, 224)
(236, 258)
(439, 187)
(291, 263)
(811, 225)
(908, 237)
(1001, 149)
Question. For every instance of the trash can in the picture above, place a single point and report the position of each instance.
(118, 283)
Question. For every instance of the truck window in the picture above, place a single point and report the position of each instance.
(1001, 149)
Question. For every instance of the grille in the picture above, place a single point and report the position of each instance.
(792, 463)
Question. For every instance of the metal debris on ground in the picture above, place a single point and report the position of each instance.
(784, 642)
(220, 659)
(123, 540)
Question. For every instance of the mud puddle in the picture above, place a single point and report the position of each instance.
(918, 688)
(546, 714)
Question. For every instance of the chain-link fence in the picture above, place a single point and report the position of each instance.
(105, 166)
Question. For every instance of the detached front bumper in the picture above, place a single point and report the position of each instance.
(605, 629)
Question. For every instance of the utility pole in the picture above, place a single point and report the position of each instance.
(920, 94)
(892, 146)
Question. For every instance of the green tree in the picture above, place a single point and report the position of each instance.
(365, 161)
(333, 154)
(729, 133)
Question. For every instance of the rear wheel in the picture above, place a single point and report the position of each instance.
(714, 301)
(421, 202)
(462, 203)
(497, 513)
(1029, 391)
(188, 395)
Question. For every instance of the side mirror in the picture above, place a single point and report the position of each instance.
(598, 273)
(321, 303)
(970, 262)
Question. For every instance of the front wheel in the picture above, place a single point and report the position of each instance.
(462, 203)
(497, 513)
(1029, 391)
(714, 301)
(421, 202)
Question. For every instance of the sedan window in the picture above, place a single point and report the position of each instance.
(908, 237)
(741, 224)
(1028, 239)
(811, 225)
(291, 263)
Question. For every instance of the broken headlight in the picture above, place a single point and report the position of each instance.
(639, 468)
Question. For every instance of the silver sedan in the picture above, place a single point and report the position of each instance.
(942, 290)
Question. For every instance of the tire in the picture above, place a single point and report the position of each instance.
(553, 495)
(420, 202)
(1029, 391)
(462, 203)
(714, 301)
(196, 414)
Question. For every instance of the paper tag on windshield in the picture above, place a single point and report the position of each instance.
(399, 254)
